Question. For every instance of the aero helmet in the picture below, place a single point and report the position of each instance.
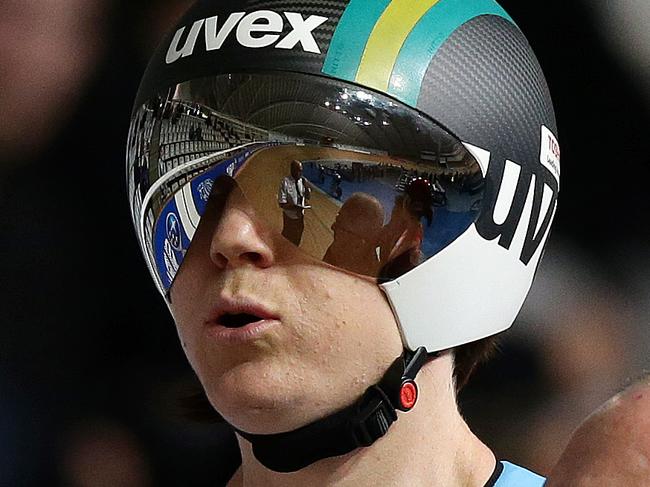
(437, 110)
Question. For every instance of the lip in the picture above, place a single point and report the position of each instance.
(246, 333)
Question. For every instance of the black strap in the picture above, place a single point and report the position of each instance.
(360, 424)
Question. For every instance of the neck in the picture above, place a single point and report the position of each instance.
(428, 446)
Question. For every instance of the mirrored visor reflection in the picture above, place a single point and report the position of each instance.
(371, 187)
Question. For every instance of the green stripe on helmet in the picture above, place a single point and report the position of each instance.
(387, 38)
(433, 29)
(349, 40)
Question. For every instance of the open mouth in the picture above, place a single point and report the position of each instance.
(238, 320)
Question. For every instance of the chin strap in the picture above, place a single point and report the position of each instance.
(360, 424)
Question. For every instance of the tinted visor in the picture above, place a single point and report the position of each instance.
(351, 177)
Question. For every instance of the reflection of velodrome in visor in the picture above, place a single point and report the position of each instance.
(338, 177)
(370, 185)
(376, 175)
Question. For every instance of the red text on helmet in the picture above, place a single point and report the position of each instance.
(550, 153)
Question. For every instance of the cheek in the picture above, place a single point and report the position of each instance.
(347, 324)
(185, 295)
(181, 310)
(188, 336)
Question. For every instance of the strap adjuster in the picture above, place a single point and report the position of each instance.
(374, 418)
(358, 425)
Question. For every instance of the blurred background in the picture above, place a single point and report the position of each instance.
(90, 367)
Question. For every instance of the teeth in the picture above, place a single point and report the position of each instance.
(238, 320)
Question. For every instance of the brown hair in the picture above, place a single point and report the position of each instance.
(469, 356)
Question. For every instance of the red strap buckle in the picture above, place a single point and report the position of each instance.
(408, 395)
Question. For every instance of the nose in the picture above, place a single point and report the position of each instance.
(239, 240)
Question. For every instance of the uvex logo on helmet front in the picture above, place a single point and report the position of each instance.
(261, 28)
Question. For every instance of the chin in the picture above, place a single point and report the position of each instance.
(260, 400)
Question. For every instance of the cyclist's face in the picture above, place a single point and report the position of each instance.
(299, 338)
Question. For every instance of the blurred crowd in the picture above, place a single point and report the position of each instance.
(91, 374)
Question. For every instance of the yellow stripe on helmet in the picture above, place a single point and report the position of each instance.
(386, 40)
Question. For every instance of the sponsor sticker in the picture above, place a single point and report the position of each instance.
(550, 153)
(171, 263)
(204, 189)
(173, 231)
